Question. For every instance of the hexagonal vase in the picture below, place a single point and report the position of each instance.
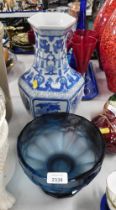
(51, 85)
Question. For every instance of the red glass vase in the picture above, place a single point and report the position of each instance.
(103, 16)
(108, 51)
(101, 21)
(83, 44)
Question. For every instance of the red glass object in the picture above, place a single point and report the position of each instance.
(106, 122)
(101, 21)
(31, 36)
(103, 16)
(111, 81)
(83, 44)
(108, 51)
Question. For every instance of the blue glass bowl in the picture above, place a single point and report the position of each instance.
(61, 142)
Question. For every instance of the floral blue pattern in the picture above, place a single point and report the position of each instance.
(50, 75)
(51, 60)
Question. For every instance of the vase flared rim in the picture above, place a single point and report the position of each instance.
(52, 21)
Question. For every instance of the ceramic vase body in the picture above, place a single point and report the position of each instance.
(108, 52)
(51, 85)
(6, 199)
(3, 77)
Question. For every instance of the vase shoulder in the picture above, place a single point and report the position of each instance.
(44, 94)
(52, 82)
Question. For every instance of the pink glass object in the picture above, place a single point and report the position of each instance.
(83, 44)
(108, 51)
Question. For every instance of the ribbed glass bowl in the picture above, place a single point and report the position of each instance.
(61, 142)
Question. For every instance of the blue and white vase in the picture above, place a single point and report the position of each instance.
(51, 85)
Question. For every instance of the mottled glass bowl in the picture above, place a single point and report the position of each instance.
(61, 142)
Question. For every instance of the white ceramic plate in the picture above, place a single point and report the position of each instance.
(110, 205)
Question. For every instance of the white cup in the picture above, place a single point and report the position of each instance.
(111, 190)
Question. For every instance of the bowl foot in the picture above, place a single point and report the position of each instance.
(60, 163)
(59, 195)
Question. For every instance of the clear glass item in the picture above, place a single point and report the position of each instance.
(108, 51)
(61, 143)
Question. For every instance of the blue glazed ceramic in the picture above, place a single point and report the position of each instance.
(51, 85)
(104, 205)
(90, 87)
(61, 143)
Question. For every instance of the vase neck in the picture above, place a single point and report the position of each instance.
(82, 15)
(50, 53)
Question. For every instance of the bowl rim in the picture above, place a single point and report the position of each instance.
(76, 178)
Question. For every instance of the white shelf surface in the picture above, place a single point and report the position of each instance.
(21, 14)
(24, 14)
(28, 195)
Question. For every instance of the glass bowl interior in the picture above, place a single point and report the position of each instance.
(60, 142)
